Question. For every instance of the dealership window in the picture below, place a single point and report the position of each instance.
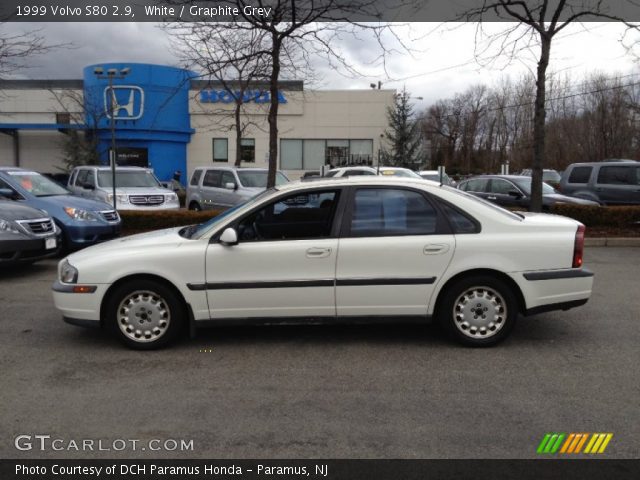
(312, 154)
(220, 150)
(248, 150)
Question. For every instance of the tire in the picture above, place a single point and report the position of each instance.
(478, 311)
(195, 206)
(145, 314)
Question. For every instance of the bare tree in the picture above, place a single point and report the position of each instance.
(305, 31)
(16, 47)
(227, 59)
(538, 22)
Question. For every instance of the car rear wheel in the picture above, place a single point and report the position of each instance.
(145, 314)
(195, 206)
(479, 311)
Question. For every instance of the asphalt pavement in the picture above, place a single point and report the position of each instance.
(384, 391)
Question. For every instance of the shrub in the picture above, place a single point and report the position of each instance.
(134, 221)
(591, 216)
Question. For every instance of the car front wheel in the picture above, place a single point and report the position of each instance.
(145, 314)
(195, 206)
(479, 311)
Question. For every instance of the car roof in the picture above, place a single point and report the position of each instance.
(373, 180)
(490, 175)
(604, 162)
(232, 167)
(107, 167)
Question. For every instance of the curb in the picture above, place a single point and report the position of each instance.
(612, 242)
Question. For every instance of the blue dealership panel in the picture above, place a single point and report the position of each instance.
(150, 111)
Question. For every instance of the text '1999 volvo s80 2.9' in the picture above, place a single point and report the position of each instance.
(349, 249)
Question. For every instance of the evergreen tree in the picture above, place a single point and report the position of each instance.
(404, 145)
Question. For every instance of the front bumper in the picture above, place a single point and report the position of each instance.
(26, 249)
(78, 306)
(83, 235)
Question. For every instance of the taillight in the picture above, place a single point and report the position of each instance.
(578, 247)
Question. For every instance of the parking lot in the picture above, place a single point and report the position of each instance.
(326, 391)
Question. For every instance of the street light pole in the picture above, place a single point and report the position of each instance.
(112, 73)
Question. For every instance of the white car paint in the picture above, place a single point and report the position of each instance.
(222, 282)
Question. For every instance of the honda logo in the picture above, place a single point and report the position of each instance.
(124, 102)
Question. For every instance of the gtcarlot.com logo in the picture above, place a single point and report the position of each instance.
(49, 443)
(573, 443)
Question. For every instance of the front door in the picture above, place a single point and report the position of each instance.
(393, 249)
(284, 263)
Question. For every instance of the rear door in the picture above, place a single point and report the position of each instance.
(394, 246)
(619, 184)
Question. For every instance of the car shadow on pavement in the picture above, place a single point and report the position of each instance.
(23, 270)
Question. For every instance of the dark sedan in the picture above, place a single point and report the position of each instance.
(26, 234)
(515, 191)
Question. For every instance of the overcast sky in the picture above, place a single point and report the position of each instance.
(441, 62)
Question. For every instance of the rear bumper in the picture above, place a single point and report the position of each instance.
(550, 290)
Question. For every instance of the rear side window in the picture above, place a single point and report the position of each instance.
(381, 212)
(618, 175)
(460, 222)
(580, 175)
(476, 185)
(212, 179)
(195, 178)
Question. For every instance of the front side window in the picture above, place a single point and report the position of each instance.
(248, 150)
(295, 217)
(81, 179)
(227, 177)
(501, 187)
(384, 212)
(618, 175)
(212, 179)
(258, 178)
(220, 150)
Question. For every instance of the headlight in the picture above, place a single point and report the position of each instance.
(79, 214)
(67, 272)
(172, 197)
(9, 227)
(120, 198)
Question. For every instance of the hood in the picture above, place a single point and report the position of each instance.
(558, 197)
(76, 202)
(10, 210)
(138, 190)
(131, 244)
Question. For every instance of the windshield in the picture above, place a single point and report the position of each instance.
(140, 178)
(399, 173)
(525, 185)
(37, 185)
(258, 178)
(551, 176)
(196, 231)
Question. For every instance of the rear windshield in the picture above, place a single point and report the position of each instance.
(128, 179)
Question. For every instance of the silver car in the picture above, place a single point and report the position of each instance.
(224, 187)
(137, 188)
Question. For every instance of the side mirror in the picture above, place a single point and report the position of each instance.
(230, 186)
(6, 192)
(229, 237)
(88, 186)
(515, 194)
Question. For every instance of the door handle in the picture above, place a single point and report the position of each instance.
(317, 252)
(435, 248)
(490, 197)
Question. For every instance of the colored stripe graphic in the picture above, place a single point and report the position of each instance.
(572, 443)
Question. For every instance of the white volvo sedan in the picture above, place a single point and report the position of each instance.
(348, 249)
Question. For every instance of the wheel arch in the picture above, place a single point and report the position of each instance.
(482, 271)
(141, 276)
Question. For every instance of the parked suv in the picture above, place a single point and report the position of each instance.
(83, 221)
(224, 187)
(608, 183)
(137, 188)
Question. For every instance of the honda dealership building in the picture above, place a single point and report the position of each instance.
(167, 119)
